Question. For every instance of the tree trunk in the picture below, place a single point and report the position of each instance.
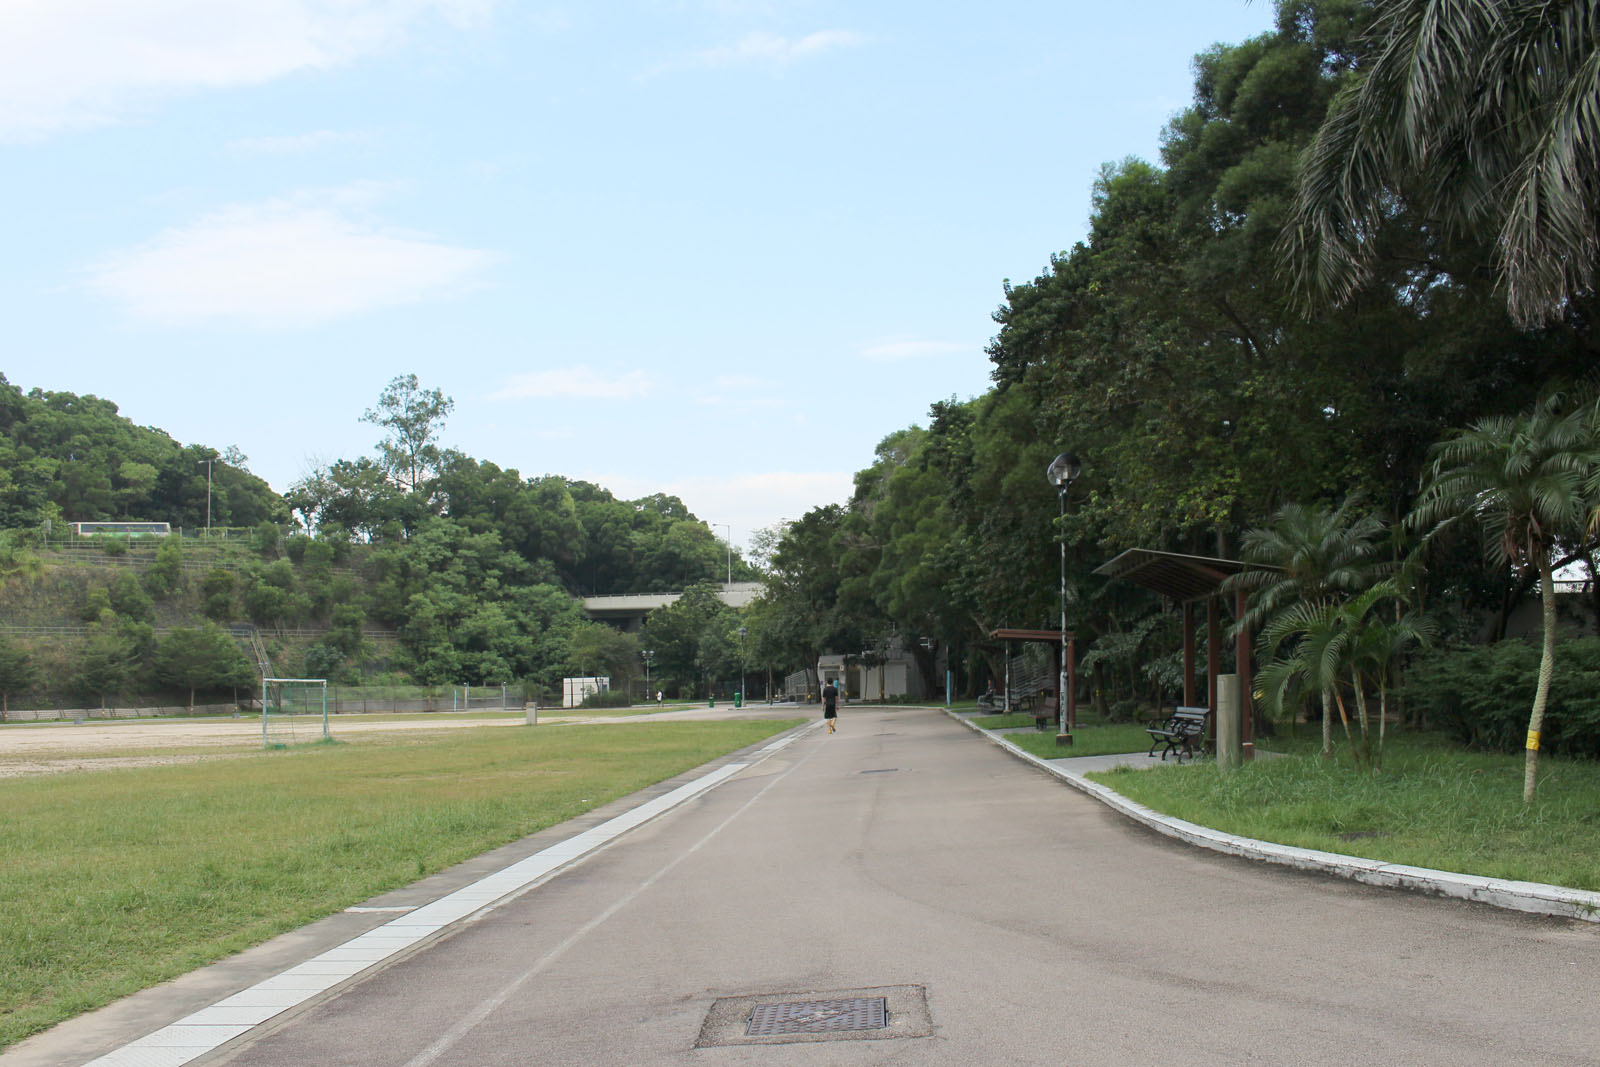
(191, 700)
(1547, 665)
(1383, 716)
(1327, 725)
(1361, 715)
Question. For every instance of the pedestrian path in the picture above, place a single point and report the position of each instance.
(1535, 897)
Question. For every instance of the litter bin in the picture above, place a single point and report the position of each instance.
(738, 698)
(712, 702)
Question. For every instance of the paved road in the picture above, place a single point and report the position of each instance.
(903, 852)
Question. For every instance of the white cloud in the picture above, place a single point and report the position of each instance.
(893, 351)
(763, 47)
(577, 381)
(740, 389)
(769, 49)
(291, 262)
(747, 502)
(66, 63)
(294, 143)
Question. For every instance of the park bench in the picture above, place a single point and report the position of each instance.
(1179, 732)
(1046, 713)
(1005, 703)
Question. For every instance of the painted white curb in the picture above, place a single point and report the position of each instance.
(209, 1028)
(1535, 897)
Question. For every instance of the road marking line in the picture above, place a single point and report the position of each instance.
(209, 1028)
(487, 1007)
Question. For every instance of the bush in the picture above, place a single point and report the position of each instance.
(1482, 695)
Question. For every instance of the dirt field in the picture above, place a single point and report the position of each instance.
(28, 749)
(54, 748)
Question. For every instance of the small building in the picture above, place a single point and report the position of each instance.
(574, 691)
(125, 529)
(889, 673)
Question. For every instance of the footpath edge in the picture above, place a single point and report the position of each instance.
(1533, 897)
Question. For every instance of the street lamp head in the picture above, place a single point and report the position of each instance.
(1063, 470)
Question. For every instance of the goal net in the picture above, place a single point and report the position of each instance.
(293, 709)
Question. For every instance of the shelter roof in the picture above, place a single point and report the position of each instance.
(1005, 634)
(1171, 574)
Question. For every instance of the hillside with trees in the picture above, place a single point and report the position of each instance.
(415, 565)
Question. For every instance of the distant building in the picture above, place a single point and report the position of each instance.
(886, 674)
(131, 529)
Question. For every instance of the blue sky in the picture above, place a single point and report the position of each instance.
(715, 248)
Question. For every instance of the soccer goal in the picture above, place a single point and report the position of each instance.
(293, 709)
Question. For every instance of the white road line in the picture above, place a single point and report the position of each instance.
(487, 1007)
(195, 1035)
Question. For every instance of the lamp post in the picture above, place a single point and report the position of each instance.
(729, 528)
(208, 463)
(647, 654)
(1062, 472)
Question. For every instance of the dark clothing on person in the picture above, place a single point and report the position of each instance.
(830, 701)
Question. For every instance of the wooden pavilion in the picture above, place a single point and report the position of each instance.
(1191, 580)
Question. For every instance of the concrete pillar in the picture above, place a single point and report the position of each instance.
(1229, 716)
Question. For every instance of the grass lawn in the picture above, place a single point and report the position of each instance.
(1434, 805)
(1087, 740)
(116, 880)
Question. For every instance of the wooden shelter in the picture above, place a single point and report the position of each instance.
(1189, 580)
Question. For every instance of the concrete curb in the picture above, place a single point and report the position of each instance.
(1534, 897)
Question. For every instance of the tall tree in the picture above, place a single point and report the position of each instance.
(202, 657)
(413, 416)
(1525, 481)
(16, 673)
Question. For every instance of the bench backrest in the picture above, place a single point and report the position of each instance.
(1194, 718)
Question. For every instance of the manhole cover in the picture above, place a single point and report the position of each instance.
(818, 1016)
(873, 1013)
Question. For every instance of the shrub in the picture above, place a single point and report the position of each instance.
(1482, 694)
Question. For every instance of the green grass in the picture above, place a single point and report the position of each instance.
(1001, 722)
(1433, 805)
(1100, 740)
(117, 880)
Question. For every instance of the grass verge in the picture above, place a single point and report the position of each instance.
(117, 880)
(1433, 805)
(1102, 740)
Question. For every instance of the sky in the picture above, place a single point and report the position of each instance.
(712, 248)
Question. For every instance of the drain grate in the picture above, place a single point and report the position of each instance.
(863, 1013)
(818, 1017)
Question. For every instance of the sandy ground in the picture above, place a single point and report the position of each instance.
(28, 749)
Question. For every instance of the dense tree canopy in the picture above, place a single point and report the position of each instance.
(73, 458)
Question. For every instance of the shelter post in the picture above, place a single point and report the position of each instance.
(1188, 654)
(1246, 683)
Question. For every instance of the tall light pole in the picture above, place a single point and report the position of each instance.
(729, 528)
(208, 463)
(1062, 472)
(646, 653)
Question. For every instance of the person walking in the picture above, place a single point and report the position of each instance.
(830, 704)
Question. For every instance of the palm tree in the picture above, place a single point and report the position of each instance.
(1317, 646)
(1485, 116)
(1303, 562)
(1524, 480)
(1375, 643)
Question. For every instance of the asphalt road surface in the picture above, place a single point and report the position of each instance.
(1003, 918)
